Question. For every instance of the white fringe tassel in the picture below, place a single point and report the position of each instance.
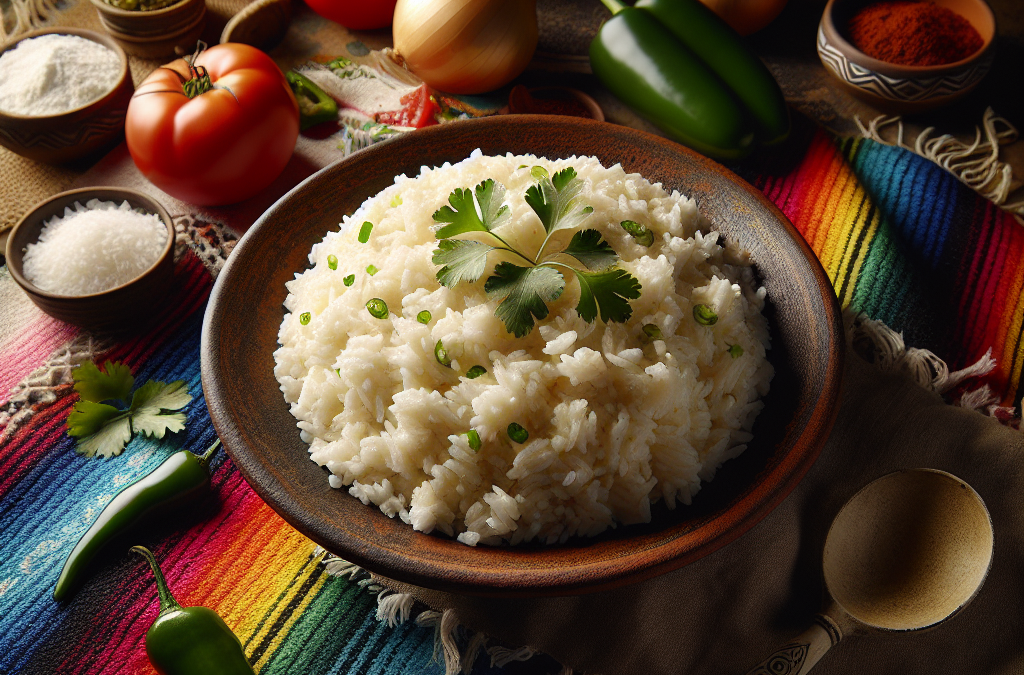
(975, 164)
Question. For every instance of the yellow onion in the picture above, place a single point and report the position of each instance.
(465, 46)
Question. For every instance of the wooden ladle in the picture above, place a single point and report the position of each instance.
(906, 553)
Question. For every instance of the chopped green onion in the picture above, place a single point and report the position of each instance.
(371, 270)
(441, 354)
(304, 318)
(521, 166)
(332, 261)
(652, 332)
(377, 308)
(735, 351)
(423, 317)
(704, 315)
(364, 232)
(640, 233)
(539, 172)
(474, 440)
(517, 433)
(396, 201)
(349, 280)
(475, 372)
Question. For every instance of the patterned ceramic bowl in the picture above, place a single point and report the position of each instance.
(77, 133)
(896, 88)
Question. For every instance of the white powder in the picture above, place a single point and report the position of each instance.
(53, 74)
(94, 248)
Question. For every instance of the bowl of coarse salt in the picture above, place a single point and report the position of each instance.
(100, 258)
(64, 93)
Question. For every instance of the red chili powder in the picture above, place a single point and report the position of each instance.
(913, 33)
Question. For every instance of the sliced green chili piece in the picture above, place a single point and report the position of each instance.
(474, 440)
(315, 106)
(371, 270)
(539, 172)
(349, 280)
(396, 201)
(735, 351)
(364, 232)
(441, 354)
(377, 308)
(332, 261)
(704, 315)
(305, 318)
(652, 332)
(517, 433)
(640, 233)
(423, 317)
(475, 372)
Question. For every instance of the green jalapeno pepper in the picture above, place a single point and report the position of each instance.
(315, 105)
(649, 69)
(181, 476)
(190, 640)
(728, 56)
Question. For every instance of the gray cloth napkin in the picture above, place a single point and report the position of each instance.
(726, 612)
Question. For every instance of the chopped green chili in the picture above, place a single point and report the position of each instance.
(364, 232)
(349, 280)
(441, 354)
(640, 233)
(539, 172)
(423, 317)
(475, 372)
(371, 270)
(377, 308)
(704, 315)
(652, 332)
(396, 201)
(735, 351)
(474, 440)
(517, 433)
(332, 261)
(304, 318)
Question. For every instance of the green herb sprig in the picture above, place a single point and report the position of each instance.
(525, 289)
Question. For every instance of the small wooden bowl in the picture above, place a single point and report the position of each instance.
(161, 33)
(903, 89)
(115, 310)
(78, 133)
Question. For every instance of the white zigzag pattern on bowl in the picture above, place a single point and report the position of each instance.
(899, 89)
(100, 126)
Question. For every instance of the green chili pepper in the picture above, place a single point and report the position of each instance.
(364, 232)
(349, 280)
(517, 433)
(475, 372)
(638, 232)
(441, 354)
(178, 479)
(704, 315)
(332, 261)
(474, 440)
(735, 351)
(652, 332)
(190, 640)
(305, 318)
(377, 308)
(423, 317)
(371, 270)
(645, 65)
(315, 105)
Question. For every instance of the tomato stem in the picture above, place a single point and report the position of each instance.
(199, 83)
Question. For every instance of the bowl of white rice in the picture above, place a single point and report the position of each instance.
(523, 356)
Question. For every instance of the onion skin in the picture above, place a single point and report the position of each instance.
(465, 46)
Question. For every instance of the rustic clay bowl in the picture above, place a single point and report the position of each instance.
(116, 310)
(903, 89)
(252, 419)
(74, 134)
(161, 33)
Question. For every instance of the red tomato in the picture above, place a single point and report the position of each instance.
(356, 14)
(224, 145)
(418, 111)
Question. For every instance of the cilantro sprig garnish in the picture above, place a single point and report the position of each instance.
(103, 429)
(525, 290)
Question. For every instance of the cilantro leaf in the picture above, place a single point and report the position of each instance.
(88, 417)
(109, 440)
(462, 260)
(608, 290)
(525, 291)
(150, 406)
(556, 200)
(589, 248)
(97, 386)
(462, 215)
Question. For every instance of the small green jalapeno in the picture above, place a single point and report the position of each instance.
(305, 318)
(349, 280)
(638, 232)
(441, 354)
(517, 433)
(423, 317)
(475, 372)
(652, 332)
(735, 351)
(377, 308)
(371, 270)
(332, 261)
(474, 440)
(364, 232)
(704, 315)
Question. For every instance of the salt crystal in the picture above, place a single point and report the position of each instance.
(94, 248)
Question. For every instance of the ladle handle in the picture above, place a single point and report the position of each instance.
(799, 655)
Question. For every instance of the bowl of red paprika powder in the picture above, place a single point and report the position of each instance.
(906, 56)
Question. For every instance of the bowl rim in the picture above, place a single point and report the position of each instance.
(27, 221)
(92, 35)
(582, 576)
(117, 11)
(898, 70)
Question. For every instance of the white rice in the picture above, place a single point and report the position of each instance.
(615, 422)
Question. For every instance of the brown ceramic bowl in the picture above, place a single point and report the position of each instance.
(252, 419)
(903, 89)
(113, 311)
(74, 134)
(160, 33)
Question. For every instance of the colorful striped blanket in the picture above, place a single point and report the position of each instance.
(901, 239)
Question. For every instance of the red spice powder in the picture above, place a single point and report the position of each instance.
(913, 33)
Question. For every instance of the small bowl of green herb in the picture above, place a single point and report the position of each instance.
(153, 28)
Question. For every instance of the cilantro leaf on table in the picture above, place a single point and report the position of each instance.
(463, 260)
(608, 291)
(109, 440)
(556, 201)
(92, 384)
(153, 407)
(462, 215)
(88, 417)
(589, 248)
(525, 290)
